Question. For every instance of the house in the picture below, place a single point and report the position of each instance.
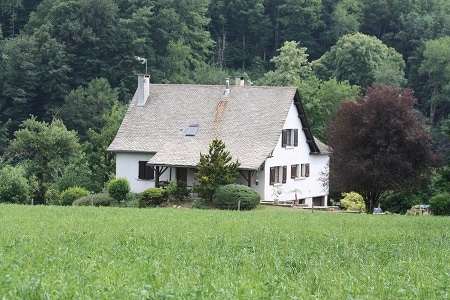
(167, 126)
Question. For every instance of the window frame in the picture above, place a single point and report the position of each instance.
(295, 171)
(305, 170)
(278, 175)
(145, 172)
(289, 138)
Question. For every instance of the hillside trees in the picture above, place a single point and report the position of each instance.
(436, 66)
(304, 14)
(84, 108)
(101, 162)
(241, 30)
(180, 38)
(320, 98)
(291, 65)
(44, 149)
(33, 78)
(362, 60)
(379, 144)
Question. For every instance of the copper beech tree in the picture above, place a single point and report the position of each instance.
(380, 144)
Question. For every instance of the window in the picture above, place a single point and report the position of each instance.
(304, 170)
(278, 174)
(192, 130)
(145, 172)
(289, 137)
(298, 171)
(294, 171)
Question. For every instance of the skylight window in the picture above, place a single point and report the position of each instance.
(192, 130)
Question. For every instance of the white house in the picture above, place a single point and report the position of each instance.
(167, 126)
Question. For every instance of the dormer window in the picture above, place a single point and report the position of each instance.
(192, 130)
(289, 138)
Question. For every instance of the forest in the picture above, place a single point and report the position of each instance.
(68, 69)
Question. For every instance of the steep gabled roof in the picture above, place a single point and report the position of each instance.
(249, 120)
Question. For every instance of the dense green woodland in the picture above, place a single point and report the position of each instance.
(70, 64)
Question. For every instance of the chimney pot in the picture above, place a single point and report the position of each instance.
(239, 80)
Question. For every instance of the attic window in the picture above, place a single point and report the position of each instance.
(192, 130)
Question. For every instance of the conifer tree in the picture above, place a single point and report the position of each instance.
(215, 169)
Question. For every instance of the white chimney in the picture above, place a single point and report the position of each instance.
(239, 80)
(143, 89)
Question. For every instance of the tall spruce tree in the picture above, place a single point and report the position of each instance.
(215, 169)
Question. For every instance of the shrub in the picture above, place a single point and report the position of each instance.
(177, 189)
(234, 196)
(215, 169)
(52, 197)
(152, 197)
(71, 194)
(353, 201)
(440, 204)
(102, 199)
(118, 188)
(15, 187)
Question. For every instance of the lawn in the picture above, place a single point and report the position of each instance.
(51, 252)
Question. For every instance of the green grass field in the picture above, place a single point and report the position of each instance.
(50, 252)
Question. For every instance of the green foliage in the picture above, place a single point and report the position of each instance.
(44, 149)
(102, 162)
(361, 59)
(101, 199)
(84, 108)
(152, 197)
(436, 65)
(118, 188)
(215, 169)
(177, 189)
(52, 197)
(353, 201)
(236, 196)
(440, 204)
(321, 100)
(291, 66)
(75, 173)
(14, 185)
(71, 194)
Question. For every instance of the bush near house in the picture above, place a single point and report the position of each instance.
(152, 197)
(71, 194)
(118, 188)
(234, 196)
(102, 199)
(440, 204)
(177, 189)
(353, 201)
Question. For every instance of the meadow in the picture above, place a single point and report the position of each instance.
(52, 252)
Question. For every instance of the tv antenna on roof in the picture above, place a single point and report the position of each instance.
(143, 61)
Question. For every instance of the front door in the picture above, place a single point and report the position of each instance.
(182, 174)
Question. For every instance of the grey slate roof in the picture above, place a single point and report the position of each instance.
(249, 121)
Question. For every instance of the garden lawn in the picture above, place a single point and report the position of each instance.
(51, 252)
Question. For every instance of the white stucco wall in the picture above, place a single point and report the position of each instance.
(127, 165)
(309, 186)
